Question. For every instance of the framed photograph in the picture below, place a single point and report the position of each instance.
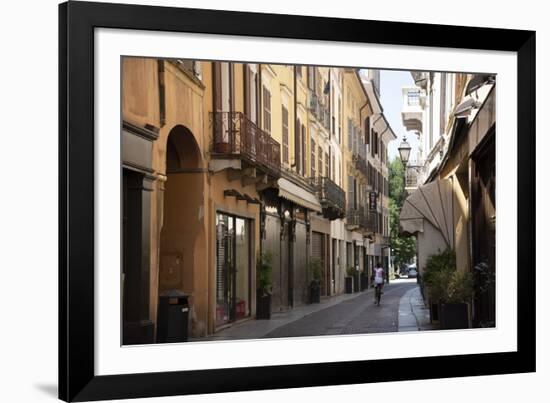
(259, 201)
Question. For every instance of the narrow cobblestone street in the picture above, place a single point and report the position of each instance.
(357, 315)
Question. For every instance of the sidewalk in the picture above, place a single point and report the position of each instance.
(256, 329)
(413, 314)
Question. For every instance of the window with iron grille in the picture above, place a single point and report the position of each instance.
(285, 134)
(312, 173)
(266, 105)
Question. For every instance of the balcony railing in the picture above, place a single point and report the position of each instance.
(235, 136)
(414, 176)
(361, 164)
(361, 219)
(331, 196)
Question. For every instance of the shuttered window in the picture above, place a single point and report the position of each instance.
(285, 134)
(350, 135)
(304, 150)
(320, 161)
(266, 105)
(312, 171)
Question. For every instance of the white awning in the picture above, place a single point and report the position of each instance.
(432, 202)
(298, 195)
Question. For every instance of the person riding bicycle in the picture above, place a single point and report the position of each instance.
(378, 280)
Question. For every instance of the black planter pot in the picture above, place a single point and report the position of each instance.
(364, 282)
(314, 293)
(434, 311)
(453, 316)
(356, 285)
(349, 285)
(263, 306)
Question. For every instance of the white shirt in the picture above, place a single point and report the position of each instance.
(379, 275)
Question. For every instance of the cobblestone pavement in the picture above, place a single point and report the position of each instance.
(357, 315)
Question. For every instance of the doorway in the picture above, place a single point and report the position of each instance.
(233, 266)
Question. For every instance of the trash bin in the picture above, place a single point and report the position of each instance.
(172, 317)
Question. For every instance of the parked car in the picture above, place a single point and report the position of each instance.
(412, 273)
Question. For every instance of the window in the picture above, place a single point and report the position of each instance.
(327, 166)
(251, 94)
(320, 161)
(285, 134)
(266, 105)
(339, 120)
(190, 66)
(304, 150)
(311, 78)
(312, 158)
(351, 192)
(332, 167)
(413, 98)
(349, 134)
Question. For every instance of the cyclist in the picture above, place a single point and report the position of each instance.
(378, 282)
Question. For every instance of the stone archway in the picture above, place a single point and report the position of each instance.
(182, 238)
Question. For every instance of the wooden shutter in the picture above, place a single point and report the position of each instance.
(304, 150)
(312, 172)
(285, 134)
(231, 87)
(317, 245)
(217, 86)
(297, 142)
(247, 92)
(320, 159)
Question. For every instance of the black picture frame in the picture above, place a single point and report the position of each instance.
(77, 21)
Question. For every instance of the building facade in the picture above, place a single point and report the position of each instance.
(452, 181)
(224, 161)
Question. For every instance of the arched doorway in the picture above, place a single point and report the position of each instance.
(182, 237)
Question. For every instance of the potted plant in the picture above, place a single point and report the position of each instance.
(264, 288)
(454, 305)
(350, 274)
(315, 268)
(435, 278)
(449, 290)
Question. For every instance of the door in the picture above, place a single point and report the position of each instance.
(233, 266)
(318, 252)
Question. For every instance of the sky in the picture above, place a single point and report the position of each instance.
(391, 98)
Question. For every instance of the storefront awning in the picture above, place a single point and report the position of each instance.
(295, 193)
(432, 202)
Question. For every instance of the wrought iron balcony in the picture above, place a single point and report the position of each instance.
(358, 218)
(361, 164)
(235, 136)
(414, 176)
(331, 197)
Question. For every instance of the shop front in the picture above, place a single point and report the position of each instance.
(233, 268)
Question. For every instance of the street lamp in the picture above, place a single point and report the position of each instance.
(404, 151)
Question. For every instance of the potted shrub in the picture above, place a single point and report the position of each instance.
(449, 290)
(454, 305)
(350, 274)
(315, 268)
(264, 281)
(436, 275)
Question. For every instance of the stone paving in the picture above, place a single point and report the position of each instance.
(343, 314)
(413, 314)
